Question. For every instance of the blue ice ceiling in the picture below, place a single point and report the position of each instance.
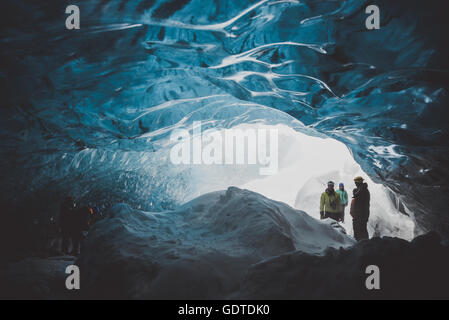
(83, 111)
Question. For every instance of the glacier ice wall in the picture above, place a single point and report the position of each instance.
(89, 111)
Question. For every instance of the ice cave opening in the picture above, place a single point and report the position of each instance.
(305, 164)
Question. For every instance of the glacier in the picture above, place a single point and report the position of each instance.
(90, 112)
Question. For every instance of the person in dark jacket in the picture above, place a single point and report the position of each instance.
(65, 224)
(80, 220)
(360, 209)
(73, 221)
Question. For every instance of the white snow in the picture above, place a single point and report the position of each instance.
(201, 250)
(306, 164)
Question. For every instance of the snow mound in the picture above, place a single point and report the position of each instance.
(201, 250)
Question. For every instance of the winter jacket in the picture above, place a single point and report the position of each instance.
(351, 208)
(343, 196)
(330, 202)
(73, 220)
(65, 214)
(361, 203)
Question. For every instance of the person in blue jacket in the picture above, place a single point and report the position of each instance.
(344, 200)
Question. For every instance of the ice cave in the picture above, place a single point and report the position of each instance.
(92, 113)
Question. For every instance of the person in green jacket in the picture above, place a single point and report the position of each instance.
(330, 203)
(344, 200)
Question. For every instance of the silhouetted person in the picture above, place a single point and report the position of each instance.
(360, 209)
(79, 224)
(330, 203)
(65, 222)
(52, 236)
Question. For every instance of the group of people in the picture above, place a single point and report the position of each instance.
(334, 202)
(74, 222)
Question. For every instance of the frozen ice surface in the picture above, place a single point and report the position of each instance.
(201, 250)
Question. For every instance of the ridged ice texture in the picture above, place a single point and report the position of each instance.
(88, 111)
